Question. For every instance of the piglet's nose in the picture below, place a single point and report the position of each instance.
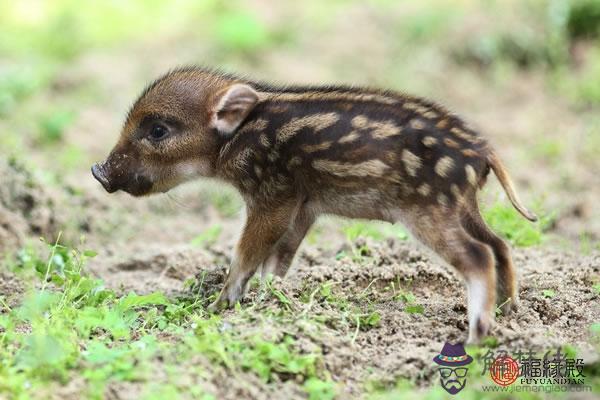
(98, 172)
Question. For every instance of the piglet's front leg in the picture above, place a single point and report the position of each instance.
(264, 227)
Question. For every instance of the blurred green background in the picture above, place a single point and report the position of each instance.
(527, 73)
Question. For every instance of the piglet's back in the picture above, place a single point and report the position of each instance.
(341, 136)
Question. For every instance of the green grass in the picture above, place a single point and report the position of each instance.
(53, 124)
(378, 231)
(69, 324)
(411, 305)
(584, 19)
(374, 230)
(581, 87)
(505, 220)
(545, 46)
(208, 237)
(19, 83)
(549, 150)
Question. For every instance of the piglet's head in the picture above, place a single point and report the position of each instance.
(174, 131)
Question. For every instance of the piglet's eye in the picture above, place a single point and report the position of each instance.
(158, 132)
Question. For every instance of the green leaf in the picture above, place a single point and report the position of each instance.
(118, 324)
(41, 350)
(406, 297)
(133, 300)
(490, 341)
(90, 253)
(97, 353)
(373, 319)
(325, 290)
(319, 390)
(114, 321)
(36, 305)
(548, 293)
(414, 309)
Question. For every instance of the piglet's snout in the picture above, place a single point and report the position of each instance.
(98, 170)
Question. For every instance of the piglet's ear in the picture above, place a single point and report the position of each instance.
(232, 107)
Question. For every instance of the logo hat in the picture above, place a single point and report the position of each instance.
(453, 355)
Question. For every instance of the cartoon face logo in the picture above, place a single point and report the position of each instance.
(453, 379)
(453, 373)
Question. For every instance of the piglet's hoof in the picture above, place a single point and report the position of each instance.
(481, 329)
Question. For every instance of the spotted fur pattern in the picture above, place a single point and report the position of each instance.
(295, 153)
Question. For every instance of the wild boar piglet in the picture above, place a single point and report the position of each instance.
(296, 152)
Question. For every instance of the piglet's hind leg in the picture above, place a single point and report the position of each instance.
(474, 260)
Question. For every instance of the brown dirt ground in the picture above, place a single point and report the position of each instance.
(403, 344)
